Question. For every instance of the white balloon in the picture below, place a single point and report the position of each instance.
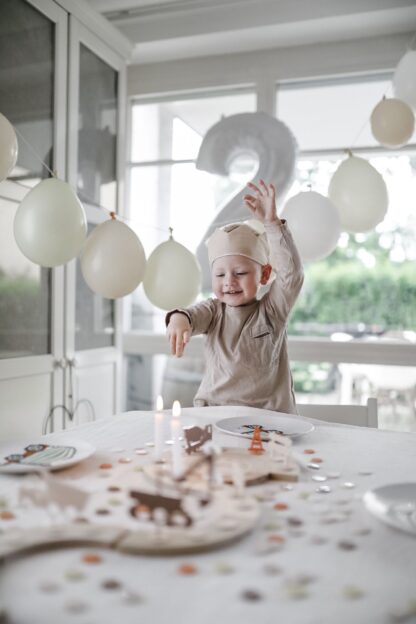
(50, 226)
(360, 195)
(113, 260)
(392, 122)
(314, 223)
(8, 147)
(173, 276)
(404, 79)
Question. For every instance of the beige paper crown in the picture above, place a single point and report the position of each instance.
(238, 239)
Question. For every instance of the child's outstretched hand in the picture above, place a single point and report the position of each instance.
(178, 333)
(263, 205)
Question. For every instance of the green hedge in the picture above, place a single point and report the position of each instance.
(350, 293)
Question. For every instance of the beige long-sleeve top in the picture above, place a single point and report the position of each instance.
(246, 353)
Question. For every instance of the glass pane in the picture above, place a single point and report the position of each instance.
(393, 386)
(175, 129)
(332, 116)
(26, 99)
(94, 316)
(97, 131)
(367, 285)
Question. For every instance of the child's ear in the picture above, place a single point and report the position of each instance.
(266, 270)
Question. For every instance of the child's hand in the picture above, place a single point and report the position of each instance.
(178, 332)
(263, 206)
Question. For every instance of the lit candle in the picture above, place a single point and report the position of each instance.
(159, 441)
(176, 432)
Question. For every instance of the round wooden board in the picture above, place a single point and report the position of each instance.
(226, 519)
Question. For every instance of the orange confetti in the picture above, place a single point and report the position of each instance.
(106, 466)
(309, 451)
(7, 515)
(187, 568)
(92, 558)
(281, 506)
(276, 538)
(317, 460)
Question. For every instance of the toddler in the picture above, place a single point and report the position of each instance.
(246, 353)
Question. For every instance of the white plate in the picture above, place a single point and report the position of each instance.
(43, 454)
(243, 426)
(394, 504)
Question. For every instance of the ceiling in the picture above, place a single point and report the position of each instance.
(174, 29)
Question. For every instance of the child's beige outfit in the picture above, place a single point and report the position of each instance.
(246, 353)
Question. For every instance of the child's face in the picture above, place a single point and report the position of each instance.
(235, 279)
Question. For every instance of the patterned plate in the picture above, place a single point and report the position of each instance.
(43, 454)
(243, 426)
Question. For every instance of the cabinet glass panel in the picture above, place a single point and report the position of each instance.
(94, 316)
(97, 131)
(26, 99)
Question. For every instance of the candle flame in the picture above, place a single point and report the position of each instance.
(159, 403)
(176, 409)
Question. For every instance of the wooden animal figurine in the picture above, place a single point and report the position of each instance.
(196, 437)
(147, 502)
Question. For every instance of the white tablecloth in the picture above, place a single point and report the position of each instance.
(381, 569)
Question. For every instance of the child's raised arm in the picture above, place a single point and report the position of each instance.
(284, 256)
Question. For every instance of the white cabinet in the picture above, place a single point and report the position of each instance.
(62, 84)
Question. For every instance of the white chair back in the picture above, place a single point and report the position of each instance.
(359, 415)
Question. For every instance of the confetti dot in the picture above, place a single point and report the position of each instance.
(281, 506)
(297, 592)
(7, 515)
(348, 485)
(251, 595)
(271, 569)
(365, 473)
(314, 465)
(319, 478)
(114, 502)
(352, 592)
(49, 587)
(363, 531)
(304, 495)
(276, 538)
(293, 521)
(222, 567)
(74, 575)
(346, 545)
(111, 584)
(102, 512)
(117, 449)
(150, 444)
(138, 469)
(323, 489)
(309, 451)
(273, 526)
(81, 520)
(105, 466)
(187, 569)
(76, 606)
(141, 451)
(333, 475)
(113, 488)
(125, 460)
(92, 558)
(131, 597)
(287, 487)
(317, 460)
(318, 540)
(3, 503)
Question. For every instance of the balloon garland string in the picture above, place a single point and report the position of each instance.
(349, 151)
(53, 173)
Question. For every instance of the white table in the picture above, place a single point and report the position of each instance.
(382, 566)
